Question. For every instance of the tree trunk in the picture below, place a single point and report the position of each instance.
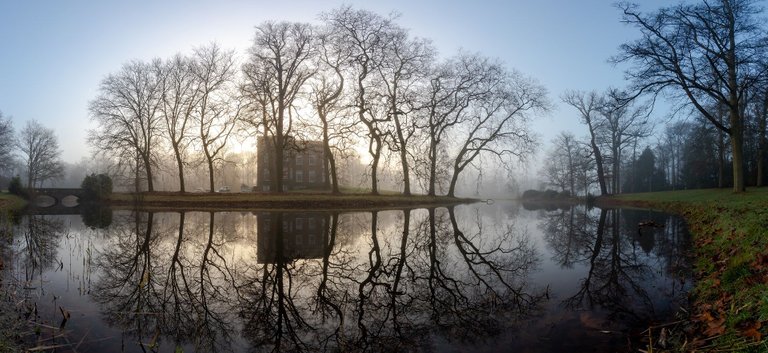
(180, 164)
(403, 155)
(598, 163)
(330, 172)
(148, 167)
(375, 167)
(209, 161)
(761, 143)
(737, 145)
(432, 165)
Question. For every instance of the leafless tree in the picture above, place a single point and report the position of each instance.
(711, 51)
(6, 143)
(452, 87)
(326, 96)
(366, 34)
(277, 72)
(40, 153)
(588, 104)
(217, 108)
(623, 123)
(497, 123)
(561, 166)
(402, 65)
(179, 98)
(128, 116)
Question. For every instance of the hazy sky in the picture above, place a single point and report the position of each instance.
(53, 54)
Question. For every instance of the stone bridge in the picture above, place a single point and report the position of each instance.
(58, 194)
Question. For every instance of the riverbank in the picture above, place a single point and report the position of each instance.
(252, 200)
(10, 324)
(11, 202)
(730, 236)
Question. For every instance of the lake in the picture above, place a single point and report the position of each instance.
(481, 278)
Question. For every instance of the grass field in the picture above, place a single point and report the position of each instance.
(730, 234)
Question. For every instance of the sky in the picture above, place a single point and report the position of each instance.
(53, 54)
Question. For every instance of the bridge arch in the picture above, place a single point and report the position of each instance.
(59, 194)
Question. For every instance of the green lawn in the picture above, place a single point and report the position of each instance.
(730, 234)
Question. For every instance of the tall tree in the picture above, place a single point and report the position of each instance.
(497, 125)
(366, 34)
(326, 96)
(217, 108)
(6, 143)
(623, 124)
(710, 51)
(453, 86)
(277, 72)
(561, 166)
(128, 117)
(589, 104)
(179, 98)
(40, 152)
(403, 63)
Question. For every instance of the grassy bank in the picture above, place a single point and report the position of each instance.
(730, 235)
(8, 201)
(303, 200)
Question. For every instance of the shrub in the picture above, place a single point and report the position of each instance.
(15, 188)
(96, 187)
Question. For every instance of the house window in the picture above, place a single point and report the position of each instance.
(298, 239)
(299, 223)
(299, 159)
(311, 159)
(311, 223)
(265, 188)
(266, 174)
(299, 176)
(311, 176)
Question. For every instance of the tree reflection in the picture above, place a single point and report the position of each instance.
(313, 282)
(156, 286)
(625, 253)
(40, 239)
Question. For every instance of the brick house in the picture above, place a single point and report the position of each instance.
(303, 166)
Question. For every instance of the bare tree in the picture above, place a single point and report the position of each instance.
(216, 110)
(6, 143)
(561, 164)
(179, 98)
(588, 104)
(762, 143)
(402, 65)
(497, 123)
(41, 154)
(277, 72)
(454, 86)
(711, 51)
(366, 34)
(623, 124)
(127, 114)
(327, 97)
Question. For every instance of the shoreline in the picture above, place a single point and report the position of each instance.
(286, 201)
(730, 244)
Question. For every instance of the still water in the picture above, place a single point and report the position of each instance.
(480, 278)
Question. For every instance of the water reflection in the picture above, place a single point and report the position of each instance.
(637, 266)
(445, 279)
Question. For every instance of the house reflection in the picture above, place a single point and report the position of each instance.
(286, 236)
